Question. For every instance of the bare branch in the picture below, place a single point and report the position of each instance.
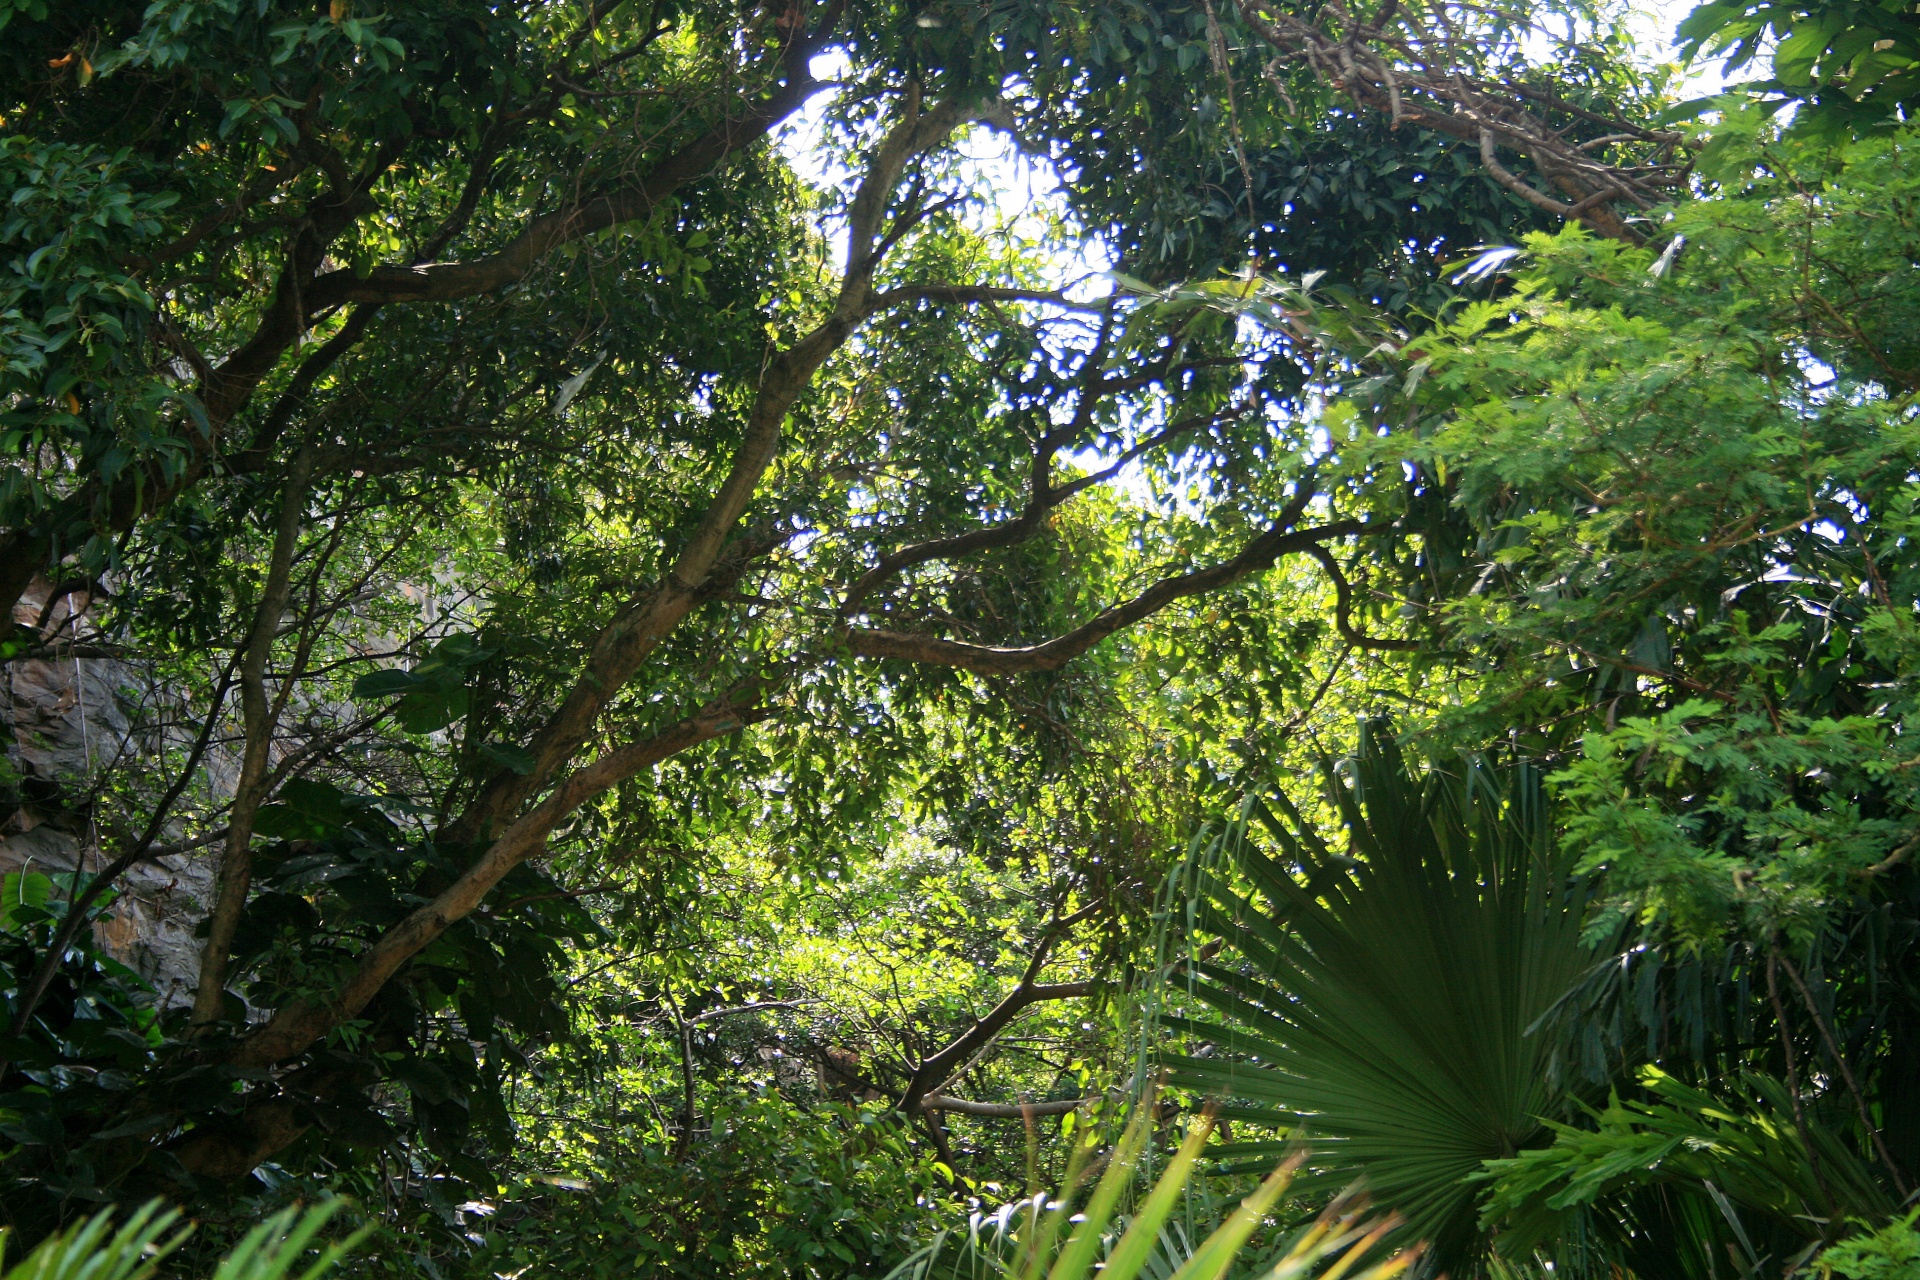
(976, 293)
(1412, 72)
(754, 1007)
(1506, 179)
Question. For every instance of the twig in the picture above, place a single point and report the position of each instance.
(1846, 1074)
(1793, 1079)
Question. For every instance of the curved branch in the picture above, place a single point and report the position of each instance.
(1343, 609)
(939, 1068)
(1051, 655)
(1378, 69)
(446, 281)
(1889, 862)
(1028, 523)
(1504, 176)
(293, 399)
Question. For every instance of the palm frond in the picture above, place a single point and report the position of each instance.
(1379, 1004)
(283, 1247)
(1048, 1238)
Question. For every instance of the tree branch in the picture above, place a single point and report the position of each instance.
(258, 718)
(448, 281)
(299, 295)
(937, 1071)
(1044, 499)
(1004, 1110)
(298, 1026)
(42, 977)
(1505, 178)
(626, 641)
(1020, 998)
(975, 293)
(1413, 73)
(1343, 608)
(1051, 655)
(1846, 1074)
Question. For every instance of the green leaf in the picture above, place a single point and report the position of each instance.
(1396, 1017)
(22, 892)
(517, 759)
(431, 710)
(381, 684)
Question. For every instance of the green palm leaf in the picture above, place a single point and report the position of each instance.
(1048, 1238)
(284, 1247)
(1380, 1004)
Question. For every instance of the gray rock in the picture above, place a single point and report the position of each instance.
(65, 720)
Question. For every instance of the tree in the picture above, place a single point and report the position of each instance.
(465, 410)
(1662, 503)
(1580, 118)
(1843, 68)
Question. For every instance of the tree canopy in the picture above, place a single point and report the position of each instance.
(691, 638)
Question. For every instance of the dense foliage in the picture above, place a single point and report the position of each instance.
(685, 639)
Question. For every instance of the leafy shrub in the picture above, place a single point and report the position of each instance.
(776, 1189)
(1891, 1253)
(76, 1060)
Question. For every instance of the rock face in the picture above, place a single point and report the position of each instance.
(66, 721)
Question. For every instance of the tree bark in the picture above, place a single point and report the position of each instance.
(257, 717)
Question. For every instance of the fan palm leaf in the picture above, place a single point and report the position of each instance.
(1378, 1004)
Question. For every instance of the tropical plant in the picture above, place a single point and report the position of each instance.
(509, 489)
(1890, 1253)
(1846, 66)
(1060, 1237)
(1671, 1184)
(1379, 1003)
(1667, 501)
(640, 614)
(1668, 506)
(287, 1246)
